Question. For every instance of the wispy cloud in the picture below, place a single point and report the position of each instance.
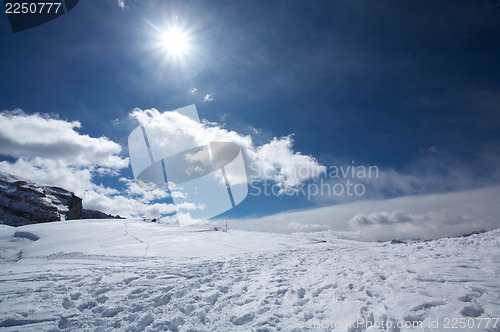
(121, 4)
(201, 95)
(433, 170)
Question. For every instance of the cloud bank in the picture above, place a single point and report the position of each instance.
(424, 217)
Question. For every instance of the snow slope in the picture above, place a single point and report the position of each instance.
(130, 275)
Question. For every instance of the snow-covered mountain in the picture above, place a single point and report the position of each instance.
(23, 202)
(130, 275)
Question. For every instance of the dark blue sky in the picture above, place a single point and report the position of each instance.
(381, 83)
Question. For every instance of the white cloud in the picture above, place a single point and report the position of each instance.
(141, 194)
(38, 135)
(274, 161)
(278, 162)
(425, 217)
(208, 97)
(125, 206)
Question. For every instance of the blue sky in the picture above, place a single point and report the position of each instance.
(412, 88)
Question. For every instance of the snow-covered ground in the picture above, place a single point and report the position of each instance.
(131, 275)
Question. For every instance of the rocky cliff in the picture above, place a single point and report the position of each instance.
(23, 202)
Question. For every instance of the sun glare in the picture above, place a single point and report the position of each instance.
(175, 42)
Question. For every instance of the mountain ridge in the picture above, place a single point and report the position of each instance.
(24, 202)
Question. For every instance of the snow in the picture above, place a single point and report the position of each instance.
(130, 275)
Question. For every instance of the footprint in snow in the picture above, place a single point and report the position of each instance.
(101, 291)
(175, 323)
(127, 281)
(87, 305)
(301, 302)
(414, 319)
(301, 292)
(67, 303)
(212, 298)
(469, 297)
(64, 323)
(428, 305)
(224, 289)
(472, 311)
(466, 298)
(146, 320)
(101, 299)
(162, 300)
(245, 319)
(321, 289)
(111, 312)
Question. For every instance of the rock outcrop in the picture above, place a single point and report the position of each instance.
(95, 214)
(23, 202)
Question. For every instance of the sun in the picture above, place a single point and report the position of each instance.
(172, 45)
(175, 42)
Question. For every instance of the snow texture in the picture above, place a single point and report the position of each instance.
(130, 275)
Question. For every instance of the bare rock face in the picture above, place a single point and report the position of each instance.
(23, 202)
(94, 214)
(74, 208)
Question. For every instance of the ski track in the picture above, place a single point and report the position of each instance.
(137, 239)
(258, 291)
